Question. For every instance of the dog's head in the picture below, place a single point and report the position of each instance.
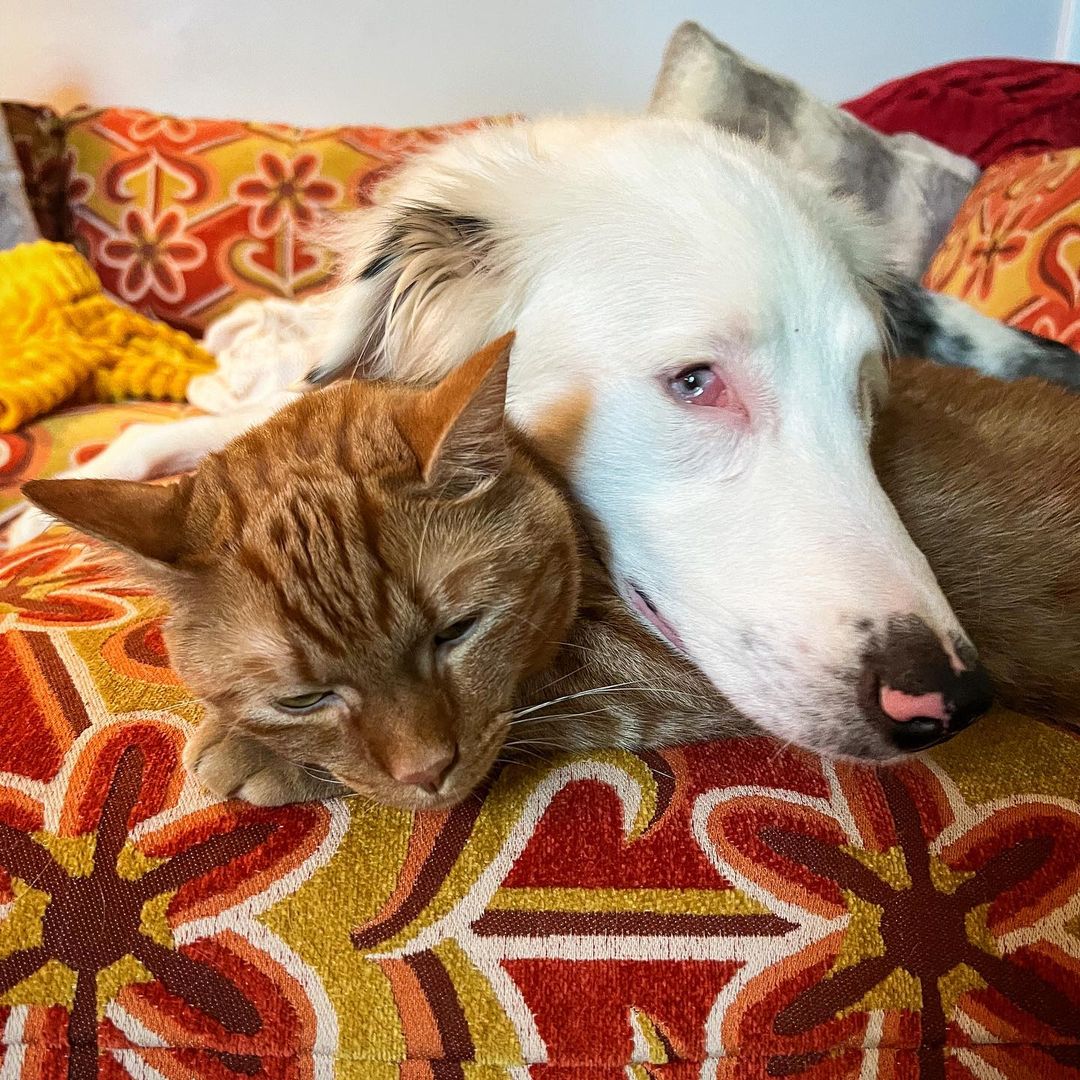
(699, 347)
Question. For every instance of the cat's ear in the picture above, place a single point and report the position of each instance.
(147, 519)
(457, 429)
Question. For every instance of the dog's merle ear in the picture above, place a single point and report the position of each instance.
(425, 228)
(396, 275)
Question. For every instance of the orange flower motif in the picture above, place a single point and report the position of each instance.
(153, 255)
(285, 190)
(999, 241)
(147, 126)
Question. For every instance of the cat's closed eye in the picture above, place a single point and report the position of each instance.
(456, 632)
(304, 703)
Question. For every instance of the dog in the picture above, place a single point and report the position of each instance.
(702, 338)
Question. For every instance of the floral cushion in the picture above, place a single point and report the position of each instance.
(734, 909)
(1014, 250)
(69, 438)
(186, 218)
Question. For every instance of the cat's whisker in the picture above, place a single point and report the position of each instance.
(548, 717)
(535, 742)
(613, 688)
(563, 678)
(322, 776)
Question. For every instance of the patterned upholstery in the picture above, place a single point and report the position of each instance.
(1014, 250)
(734, 909)
(184, 219)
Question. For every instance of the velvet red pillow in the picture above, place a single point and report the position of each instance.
(983, 109)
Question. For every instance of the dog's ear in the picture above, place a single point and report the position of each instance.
(143, 519)
(416, 272)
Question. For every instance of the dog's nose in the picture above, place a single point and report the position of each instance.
(916, 691)
(426, 771)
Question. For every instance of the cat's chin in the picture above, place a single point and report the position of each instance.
(408, 799)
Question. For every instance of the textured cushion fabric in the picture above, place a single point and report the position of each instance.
(912, 185)
(69, 438)
(734, 909)
(983, 109)
(185, 218)
(1014, 250)
(64, 337)
(17, 223)
(38, 138)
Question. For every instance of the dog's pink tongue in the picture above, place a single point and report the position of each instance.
(902, 707)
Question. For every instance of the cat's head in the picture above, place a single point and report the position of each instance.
(361, 582)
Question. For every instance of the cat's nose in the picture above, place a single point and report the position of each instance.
(425, 769)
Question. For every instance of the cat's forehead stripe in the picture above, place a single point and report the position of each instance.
(290, 609)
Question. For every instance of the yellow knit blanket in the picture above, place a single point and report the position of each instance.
(62, 339)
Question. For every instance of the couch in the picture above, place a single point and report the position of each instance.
(729, 909)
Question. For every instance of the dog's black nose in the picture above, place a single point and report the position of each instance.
(915, 692)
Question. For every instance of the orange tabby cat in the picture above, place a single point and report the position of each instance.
(365, 586)
(380, 588)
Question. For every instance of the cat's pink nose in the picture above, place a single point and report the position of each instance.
(426, 771)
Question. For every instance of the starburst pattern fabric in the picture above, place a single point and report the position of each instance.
(1013, 251)
(733, 909)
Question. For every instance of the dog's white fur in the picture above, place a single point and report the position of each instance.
(623, 252)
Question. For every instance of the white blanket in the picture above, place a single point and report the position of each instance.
(262, 347)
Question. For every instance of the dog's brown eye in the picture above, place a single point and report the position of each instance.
(456, 632)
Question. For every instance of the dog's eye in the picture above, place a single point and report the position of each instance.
(456, 632)
(303, 703)
(699, 385)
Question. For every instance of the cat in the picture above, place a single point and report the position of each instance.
(383, 590)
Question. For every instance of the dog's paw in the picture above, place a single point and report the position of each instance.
(238, 767)
(29, 525)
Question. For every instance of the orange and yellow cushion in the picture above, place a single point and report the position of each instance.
(183, 219)
(733, 909)
(1014, 250)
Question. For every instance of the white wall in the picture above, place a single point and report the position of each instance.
(1068, 39)
(417, 61)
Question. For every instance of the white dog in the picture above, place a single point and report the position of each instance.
(699, 343)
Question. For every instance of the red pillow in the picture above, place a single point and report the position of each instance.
(983, 109)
